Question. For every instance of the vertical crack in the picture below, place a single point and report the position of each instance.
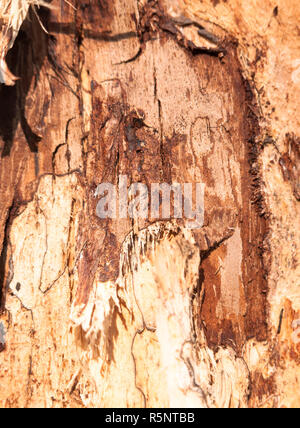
(5, 278)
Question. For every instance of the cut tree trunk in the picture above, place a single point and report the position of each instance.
(134, 312)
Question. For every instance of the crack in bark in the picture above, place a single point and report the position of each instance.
(46, 245)
(135, 369)
(25, 202)
(66, 143)
(30, 373)
(191, 371)
(280, 322)
(134, 58)
(3, 258)
(54, 155)
(138, 331)
(74, 381)
(164, 160)
(154, 19)
(70, 272)
(206, 118)
(106, 36)
(206, 253)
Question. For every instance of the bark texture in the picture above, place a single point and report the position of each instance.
(133, 313)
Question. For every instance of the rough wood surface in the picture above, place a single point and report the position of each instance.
(133, 313)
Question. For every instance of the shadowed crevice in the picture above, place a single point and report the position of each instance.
(24, 60)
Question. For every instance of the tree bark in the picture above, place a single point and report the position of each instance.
(149, 312)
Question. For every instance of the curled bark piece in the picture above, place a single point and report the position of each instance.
(12, 15)
(6, 75)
